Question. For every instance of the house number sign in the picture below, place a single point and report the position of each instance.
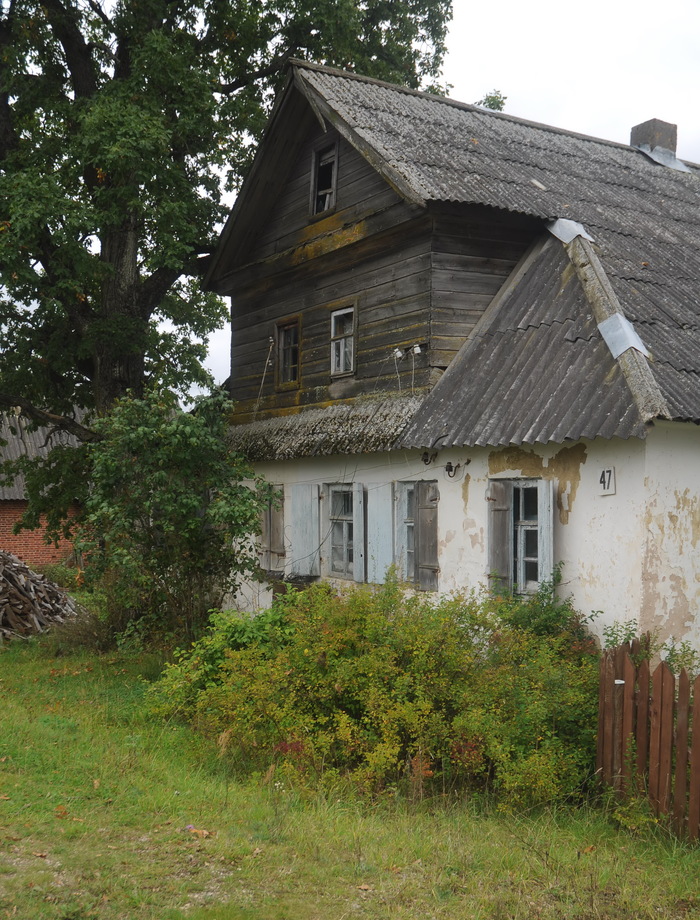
(607, 481)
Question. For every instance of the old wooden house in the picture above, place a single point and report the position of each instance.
(467, 345)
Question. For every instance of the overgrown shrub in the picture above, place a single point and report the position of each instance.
(398, 691)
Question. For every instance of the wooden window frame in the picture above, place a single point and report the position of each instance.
(342, 340)
(508, 530)
(271, 544)
(341, 530)
(416, 528)
(292, 322)
(322, 156)
(353, 523)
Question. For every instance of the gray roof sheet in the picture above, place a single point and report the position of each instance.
(17, 439)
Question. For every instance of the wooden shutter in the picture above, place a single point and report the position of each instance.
(358, 531)
(304, 529)
(545, 526)
(264, 539)
(276, 536)
(380, 530)
(426, 535)
(499, 497)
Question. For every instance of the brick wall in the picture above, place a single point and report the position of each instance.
(28, 545)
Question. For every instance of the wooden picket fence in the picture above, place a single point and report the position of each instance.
(649, 735)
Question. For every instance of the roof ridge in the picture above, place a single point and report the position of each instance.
(599, 293)
(456, 103)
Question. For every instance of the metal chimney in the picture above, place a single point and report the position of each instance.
(655, 133)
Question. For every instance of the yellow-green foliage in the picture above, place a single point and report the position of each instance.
(397, 691)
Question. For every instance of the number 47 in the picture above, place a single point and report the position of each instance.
(607, 481)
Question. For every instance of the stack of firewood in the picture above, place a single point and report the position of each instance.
(29, 603)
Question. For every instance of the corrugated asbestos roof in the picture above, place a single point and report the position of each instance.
(548, 375)
(540, 371)
(365, 426)
(17, 440)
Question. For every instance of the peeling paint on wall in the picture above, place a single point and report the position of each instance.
(564, 467)
(672, 534)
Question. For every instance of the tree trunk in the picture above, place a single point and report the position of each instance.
(120, 341)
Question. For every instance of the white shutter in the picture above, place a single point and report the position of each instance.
(400, 510)
(303, 526)
(358, 531)
(545, 526)
(380, 530)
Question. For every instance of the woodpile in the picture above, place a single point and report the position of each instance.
(29, 603)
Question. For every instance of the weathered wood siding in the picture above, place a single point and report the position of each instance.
(472, 257)
(360, 191)
(372, 251)
(392, 300)
(414, 275)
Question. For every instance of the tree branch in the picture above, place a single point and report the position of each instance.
(8, 134)
(80, 63)
(98, 11)
(44, 418)
(154, 289)
(277, 64)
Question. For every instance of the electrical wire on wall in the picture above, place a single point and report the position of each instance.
(268, 363)
(397, 355)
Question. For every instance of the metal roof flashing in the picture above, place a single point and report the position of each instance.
(619, 335)
(567, 230)
(664, 157)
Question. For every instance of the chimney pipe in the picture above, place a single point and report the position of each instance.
(655, 133)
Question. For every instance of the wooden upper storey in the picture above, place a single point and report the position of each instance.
(372, 294)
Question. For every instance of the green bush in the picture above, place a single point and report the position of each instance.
(393, 690)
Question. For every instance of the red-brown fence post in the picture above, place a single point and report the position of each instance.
(694, 800)
(680, 781)
(661, 738)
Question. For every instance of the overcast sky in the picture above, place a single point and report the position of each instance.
(597, 68)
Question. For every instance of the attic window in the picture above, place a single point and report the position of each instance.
(324, 175)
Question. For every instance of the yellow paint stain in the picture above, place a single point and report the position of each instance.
(564, 467)
(329, 224)
(336, 238)
(465, 493)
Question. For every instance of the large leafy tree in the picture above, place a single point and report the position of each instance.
(120, 123)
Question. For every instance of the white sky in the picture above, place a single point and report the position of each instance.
(597, 68)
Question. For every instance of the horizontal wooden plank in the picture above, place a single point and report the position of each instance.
(374, 232)
(457, 282)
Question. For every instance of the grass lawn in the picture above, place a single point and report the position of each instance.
(106, 813)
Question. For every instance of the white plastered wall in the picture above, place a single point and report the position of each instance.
(628, 553)
(670, 602)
